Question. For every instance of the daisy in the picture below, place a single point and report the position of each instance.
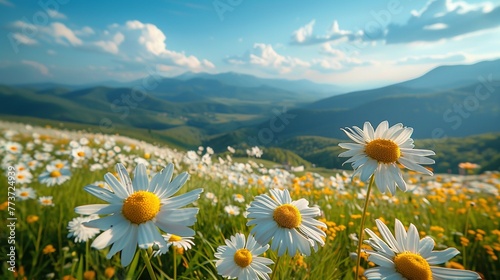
(240, 259)
(232, 210)
(138, 208)
(405, 256)
(290, 224)
(54, 176)
(183, 242)
(79, 231)
(24, 177)
(46, 200)
(81, 153)
(25, 193)
(378, 152)
(13, 147)
(238, 198)
(59, 164)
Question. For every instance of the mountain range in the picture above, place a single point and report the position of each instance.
(231, 108)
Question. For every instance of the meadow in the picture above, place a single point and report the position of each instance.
(460, 211)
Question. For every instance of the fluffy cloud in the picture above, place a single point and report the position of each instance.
(336, 60)
(304, 35)
(56, 15)
(42, 69)
(265, 57)
(55, 31)
(145, 42)
(85, 31)
(23, 39)
(445, 58)
(110, 46)
(132, 42)
(439, 19)
(6, 3)
(443, 19)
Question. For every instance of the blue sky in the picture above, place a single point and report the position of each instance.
(356, 44)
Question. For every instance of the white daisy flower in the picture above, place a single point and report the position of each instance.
(13, 147)
(81, 232)
(46, 200)
(81, 153)
(54, 176)
(232, 210)
(183, 242)
(377, 152)
(138, 208)
(59, 164)
(406, 256)
(240, 259)
(25, 193)
(23, 177)
(290, 224)
(238, 198)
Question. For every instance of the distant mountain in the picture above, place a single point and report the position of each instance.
(244, 80)
(440, 79)
(442, 103)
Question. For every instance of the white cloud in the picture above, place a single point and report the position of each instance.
(85, 31)
(265, 57)
(6, 3)
(149, 36)
(435, 26)
(55, 14)
(133, 42)
(208, 64)
(23, 39)
(444, 19)
(337, 60)
(38, 66)
(147, 42)
(51, 52)
(302, 34)
(111, 46)
(56, 31)
(438, 20)
(63, 34)
(437, 59)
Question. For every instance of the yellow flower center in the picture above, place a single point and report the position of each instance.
(243, 258)
(174, 238)
(23, 194)
(383, 150)
(20, 176)
(141, 207)
(59, 165)
(81, 154)
(55, 174)
(412, 266)
(13, 148)
(287, 216)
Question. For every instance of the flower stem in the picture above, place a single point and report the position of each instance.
(145, 257)
(175, 263)
(276, 265)
(361, 230)
(464, 254)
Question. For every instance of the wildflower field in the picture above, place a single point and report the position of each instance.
(217, 209)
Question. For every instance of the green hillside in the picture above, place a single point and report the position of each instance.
(481, 149)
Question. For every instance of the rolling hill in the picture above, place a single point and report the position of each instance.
(438, 80)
